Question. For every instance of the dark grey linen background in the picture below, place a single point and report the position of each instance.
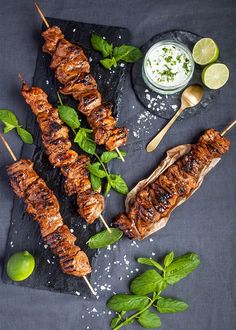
(206, 224)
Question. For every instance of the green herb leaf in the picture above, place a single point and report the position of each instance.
(101, 45)
(69, 116)
(94, 169)
(181, 267)
(118, 184)
(127, 53)
(25, 136)
(150, 262)
(95, 182)
(149, 320)
(84, 138)
(127, 302)
(108, 188)
(104, 238)
(149, 281)
(107, 156)
(169, 305)
(9, 119)
(108, 63)
(169, 258)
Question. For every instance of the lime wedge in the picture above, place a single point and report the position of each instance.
(20, 266)
(205, 51)
(215, 75)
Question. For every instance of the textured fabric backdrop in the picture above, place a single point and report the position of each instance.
(205, 224)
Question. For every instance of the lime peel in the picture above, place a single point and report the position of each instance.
(20, 266)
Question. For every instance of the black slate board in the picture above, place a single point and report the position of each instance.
(165, 106)
(24, 234)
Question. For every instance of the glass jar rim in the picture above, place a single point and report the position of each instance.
(179, 45)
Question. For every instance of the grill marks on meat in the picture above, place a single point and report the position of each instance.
(43, 206)
(157, 200)
(55, 138)
(72, 69)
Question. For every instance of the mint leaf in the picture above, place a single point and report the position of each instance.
(149, 281)
(181, 267)
(84, 138)
(101, 45)
(168, 259)
(150, 262)
(95, 182)
(108, 63)
(118, 184)
(127, 53)
(169, 305)
(114, 322)
(104, 238)
(108, 188)
(94, 169)
(25, 136)
(107, 156)
(69, 116)
(149, 320)
(8, 118)
(127, 302)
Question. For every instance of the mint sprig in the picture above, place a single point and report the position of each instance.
(84, 138)
(146, 292)
(112, 55)
(9, 119)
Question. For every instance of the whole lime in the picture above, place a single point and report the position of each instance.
(20, 266)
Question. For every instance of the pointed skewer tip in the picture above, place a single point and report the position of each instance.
(120, 155)
(231, 125)
(105, 224)
(41, 14)
(89, 285)
(8, 148)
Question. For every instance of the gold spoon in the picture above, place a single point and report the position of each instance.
(190, 97)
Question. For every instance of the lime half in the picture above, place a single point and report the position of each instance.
(215, 75)
(20, 266)
(205, 51)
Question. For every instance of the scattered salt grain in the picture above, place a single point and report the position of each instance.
(74, 30)
(47, 82)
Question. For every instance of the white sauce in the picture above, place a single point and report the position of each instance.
(168, 65)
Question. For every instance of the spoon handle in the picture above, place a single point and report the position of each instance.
(157, 139)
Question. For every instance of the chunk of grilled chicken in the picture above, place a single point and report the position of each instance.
(90, 205)
(52, 37)
(88, 101)
(21, 175)
(157, 200)
(117, 138)
(43, 206)
(83, 83)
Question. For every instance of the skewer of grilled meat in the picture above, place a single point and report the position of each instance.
(55, 138)
(158, 198)
(43, 206)
(72, 69)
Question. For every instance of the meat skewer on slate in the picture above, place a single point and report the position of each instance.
(154, 201)
(43, 206)
(72, 69)
(55, 138)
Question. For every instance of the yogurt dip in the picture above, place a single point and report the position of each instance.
(168, 66)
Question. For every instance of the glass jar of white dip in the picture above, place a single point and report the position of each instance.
(168, 66)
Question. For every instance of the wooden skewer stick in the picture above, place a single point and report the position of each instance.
(8, 148)
(15, 159)
(228, 128)
(105, 224)
(119, 153)
(41, 14)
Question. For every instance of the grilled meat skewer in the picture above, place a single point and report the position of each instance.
(43, 206)
(72, 69)
(157, 199)
(55, 138)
